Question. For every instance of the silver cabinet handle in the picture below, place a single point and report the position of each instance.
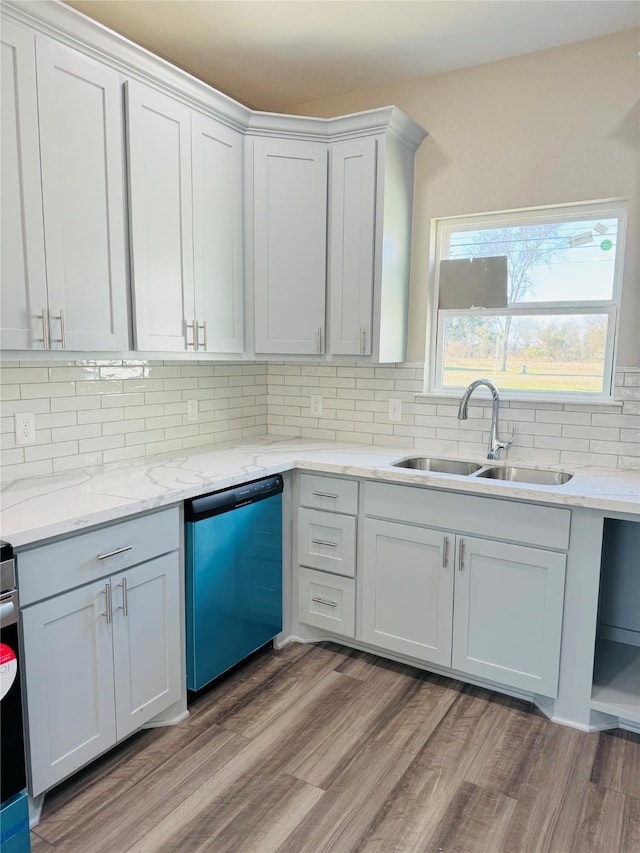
(108, 606)
(445, 552)
(324, 601)
(201, 344)
(193, 344)
(125, 605)
(324, 495)
(461, 556)
(325, 542)
(319, 340)
(115, 553)
(63, 334)
(363, 341)
(46, 343)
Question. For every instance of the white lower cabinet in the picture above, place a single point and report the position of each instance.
(485, 608)
(327, 553)
(327, 601)
(70, 683)
(407, 590)
(102, 659)
(507, 618)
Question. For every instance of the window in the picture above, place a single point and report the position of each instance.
(528, 299)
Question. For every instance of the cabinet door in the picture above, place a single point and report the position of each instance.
(290, 222)
(217, 235)
(508, 613)
(69, 682)
(407, 590)
(352, 194)
(160, 207)
(146, 641)
(80, 110)
(23, 285)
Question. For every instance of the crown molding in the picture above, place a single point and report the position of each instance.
(57, 20)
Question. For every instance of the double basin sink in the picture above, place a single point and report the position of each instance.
(472, 469)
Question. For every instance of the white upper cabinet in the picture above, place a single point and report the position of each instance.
(74, 185)
(217, 235)
(352, 209)
(185, 193)
(289, 229)
(370, 216)
(24, 279)
(357, 260)
(161, 227)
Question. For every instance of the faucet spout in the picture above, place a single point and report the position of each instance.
(495, 443)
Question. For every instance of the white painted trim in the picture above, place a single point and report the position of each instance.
(66, 25)
(440, 232)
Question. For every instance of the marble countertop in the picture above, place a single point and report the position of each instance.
(39, 508)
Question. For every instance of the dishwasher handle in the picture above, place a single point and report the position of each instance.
(225, 500)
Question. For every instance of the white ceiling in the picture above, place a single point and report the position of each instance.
(274, 54)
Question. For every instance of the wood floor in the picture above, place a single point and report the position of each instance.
(319, 748)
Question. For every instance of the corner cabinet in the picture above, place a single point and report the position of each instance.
(63, 207)
(331, 222)
(185, 198)
(103, 658)
(289, 245)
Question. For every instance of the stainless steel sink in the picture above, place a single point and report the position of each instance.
(438, 466)
(526, 475)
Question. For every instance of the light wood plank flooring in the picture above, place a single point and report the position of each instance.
(320, 748)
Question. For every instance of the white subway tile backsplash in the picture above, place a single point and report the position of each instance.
(36, 452)
(92, 411)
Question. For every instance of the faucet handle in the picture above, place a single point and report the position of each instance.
(506, 443)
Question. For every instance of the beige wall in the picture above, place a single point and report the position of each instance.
(556, 126)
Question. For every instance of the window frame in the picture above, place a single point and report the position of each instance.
(441, 229)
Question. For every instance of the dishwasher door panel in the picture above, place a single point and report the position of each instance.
(234, 587)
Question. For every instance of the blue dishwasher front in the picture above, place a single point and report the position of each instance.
(233, 575)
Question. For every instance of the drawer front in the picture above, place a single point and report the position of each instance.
(68, 563)
(327, 541)
(330, 493)
(327, 601)
(492, 517)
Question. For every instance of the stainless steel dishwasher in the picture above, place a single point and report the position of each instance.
(233, 576)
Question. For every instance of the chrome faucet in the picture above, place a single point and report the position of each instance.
(495, 444)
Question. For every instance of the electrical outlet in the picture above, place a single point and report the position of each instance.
(25, 428)
(192, 411)
(316, 405)
(395, 411)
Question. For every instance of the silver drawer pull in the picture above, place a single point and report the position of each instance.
(201, 344)
(115, 553)
(461, 555)
(108, 604)
(63, 335)
(193, 343)
(125, 604)
(324, 601)
(445, 552)
(324, 495)
(325, 542)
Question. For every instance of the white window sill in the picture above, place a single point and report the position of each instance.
(506, 397)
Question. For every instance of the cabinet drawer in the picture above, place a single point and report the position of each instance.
(327, 601)
(330, 493)
(500, 519)
(327, 541)
(67, 563)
